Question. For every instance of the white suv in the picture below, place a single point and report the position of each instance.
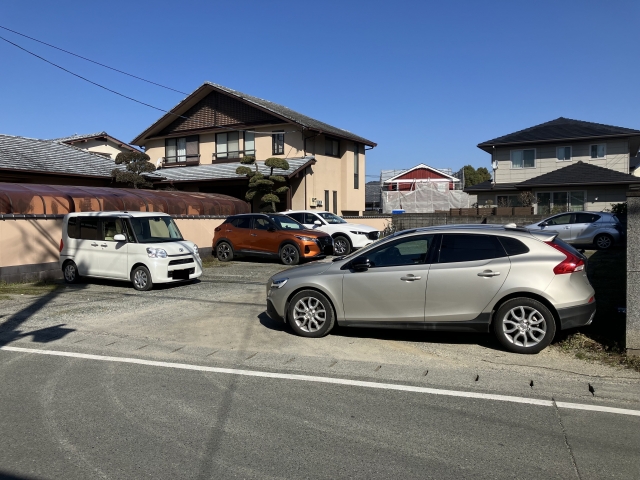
(142, 247)
(346, 236)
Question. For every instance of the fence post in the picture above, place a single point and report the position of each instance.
(633, 273)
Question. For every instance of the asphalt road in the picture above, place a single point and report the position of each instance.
(68, 417)
(78, 418)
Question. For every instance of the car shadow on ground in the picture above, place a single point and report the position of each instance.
(126, 285)
(485, 340)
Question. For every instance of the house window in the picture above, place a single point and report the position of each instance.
(508, 201)
(181, 150)
(335, 202)
(550, 203)
(331, 147)
(599, 151)
(250, 143)
(356, 166)
(326, 200)
(563, 153)
(523, 158)
(228, 145)
(277, 142)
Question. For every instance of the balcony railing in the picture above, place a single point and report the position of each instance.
(181, 161)
(232, 156)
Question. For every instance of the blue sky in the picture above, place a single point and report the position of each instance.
(427, 80)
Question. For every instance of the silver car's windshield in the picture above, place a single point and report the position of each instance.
(155, 229)
(331, 219)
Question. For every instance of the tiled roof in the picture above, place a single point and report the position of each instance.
(33, 155)
(77, 136)
(560, 129)
(487, 186)
(292, 115)
(223, 171)
(580, 173)
(277, 109)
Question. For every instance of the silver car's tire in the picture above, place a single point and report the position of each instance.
(524, 325)
(289, 254)
(310, 314)
(603, 241)
(341, 245)
(70, 272)
(224, 252)
(141, 278)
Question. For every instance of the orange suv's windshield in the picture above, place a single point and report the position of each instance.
(286, 223)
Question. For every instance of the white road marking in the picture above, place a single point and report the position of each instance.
(330, 380)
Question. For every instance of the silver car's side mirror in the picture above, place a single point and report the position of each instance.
(543, 224)
(120, 238)
(361, 264)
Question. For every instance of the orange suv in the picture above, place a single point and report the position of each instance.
(269, 234)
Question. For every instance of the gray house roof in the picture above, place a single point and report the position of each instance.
(225, 171)
(580, 173)
(46, 156)
(278, 110)
(559, 129)
(89, 136)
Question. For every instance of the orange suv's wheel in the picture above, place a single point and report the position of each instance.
(289, 254)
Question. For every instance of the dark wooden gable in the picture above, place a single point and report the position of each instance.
(218, 110)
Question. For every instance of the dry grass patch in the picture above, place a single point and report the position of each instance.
(209, 261)
(598, 350)
(34, 288)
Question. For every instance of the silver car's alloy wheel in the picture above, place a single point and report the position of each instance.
(603, 242)
(340, 246)
(309, 314)
(140, 279)
(223, 251)
(70, 273)
(288, 254)
(524, 326)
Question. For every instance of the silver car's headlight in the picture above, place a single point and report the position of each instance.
(156, 252)
(279, 283)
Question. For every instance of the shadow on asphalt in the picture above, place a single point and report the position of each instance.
(451, 338)
(126, 285)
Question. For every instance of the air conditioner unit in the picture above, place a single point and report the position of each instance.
(313, 201)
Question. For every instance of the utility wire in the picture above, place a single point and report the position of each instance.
(90, 81)
(93, 61)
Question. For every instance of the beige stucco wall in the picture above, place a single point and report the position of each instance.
(379, 223)
(617, 158)
(199, 231)
(100, 146)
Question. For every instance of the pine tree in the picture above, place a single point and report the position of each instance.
(136, 163)
(264, 186)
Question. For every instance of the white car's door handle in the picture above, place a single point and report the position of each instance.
(103, 245)
(94, 244)
(410, 278)
(488, 273)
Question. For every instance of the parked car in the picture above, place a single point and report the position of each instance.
(346, 236)
(143, 248)
(272, 234)
(601, 229)
(520, 285)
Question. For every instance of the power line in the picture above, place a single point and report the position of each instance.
(90, 81)
(93, 61)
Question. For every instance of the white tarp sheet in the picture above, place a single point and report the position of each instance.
(426, 198)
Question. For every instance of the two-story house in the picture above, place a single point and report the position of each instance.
(199, 144)
(568, 165)
(101, 143)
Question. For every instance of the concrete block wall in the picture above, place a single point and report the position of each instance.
(633, 273)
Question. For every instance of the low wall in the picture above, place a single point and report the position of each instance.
(29, 247)
(405, 221)
(633, 273)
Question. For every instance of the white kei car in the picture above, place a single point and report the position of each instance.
(346, 236)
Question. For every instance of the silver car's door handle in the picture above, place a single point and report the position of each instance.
(488, 273)
(94, 244)
(410, 278)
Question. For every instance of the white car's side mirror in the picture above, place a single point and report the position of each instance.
(317, 223)
(120, 238)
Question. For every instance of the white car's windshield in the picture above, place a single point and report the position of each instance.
(330, 218)
(155, 229)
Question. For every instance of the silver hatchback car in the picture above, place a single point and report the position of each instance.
(521, 285)
(601, 229)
